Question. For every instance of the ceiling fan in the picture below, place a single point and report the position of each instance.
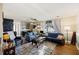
(33, 19)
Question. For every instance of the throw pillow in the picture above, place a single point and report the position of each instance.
(60, 37)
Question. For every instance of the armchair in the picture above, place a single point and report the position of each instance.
(31, 36)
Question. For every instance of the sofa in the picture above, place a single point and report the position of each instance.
(53, 37)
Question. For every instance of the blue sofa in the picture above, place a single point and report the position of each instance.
(53, 37)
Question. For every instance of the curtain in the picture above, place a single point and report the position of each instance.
(54, 26)
(57, 25)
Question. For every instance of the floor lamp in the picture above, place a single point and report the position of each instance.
(67, 29)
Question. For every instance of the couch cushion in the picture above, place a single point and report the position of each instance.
(60, 37)
(54, 35)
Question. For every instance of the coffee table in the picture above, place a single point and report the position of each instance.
(40, 40)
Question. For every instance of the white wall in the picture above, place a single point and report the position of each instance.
(17, 27)
(1, 26)
(1, 20)
(77, 34)
(71, 22)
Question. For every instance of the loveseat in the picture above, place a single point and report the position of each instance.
(54, 38)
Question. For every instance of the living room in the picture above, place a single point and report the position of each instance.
(39, 28)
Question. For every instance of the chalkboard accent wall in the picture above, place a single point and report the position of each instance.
(7, 24)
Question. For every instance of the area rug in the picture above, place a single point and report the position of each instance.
(41, 50)
(0, 52)
(28, 49)
(24, 49)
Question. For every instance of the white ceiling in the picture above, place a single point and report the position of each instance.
(40, 11)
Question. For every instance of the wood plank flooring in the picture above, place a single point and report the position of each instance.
(66, 50)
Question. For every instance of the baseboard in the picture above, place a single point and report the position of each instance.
(69, 42)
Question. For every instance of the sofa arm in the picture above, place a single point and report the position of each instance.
(18, 41)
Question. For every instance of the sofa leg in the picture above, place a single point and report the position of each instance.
(32, 42)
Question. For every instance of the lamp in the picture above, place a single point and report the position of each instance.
(67, 29)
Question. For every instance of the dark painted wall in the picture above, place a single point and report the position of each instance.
(7, 24)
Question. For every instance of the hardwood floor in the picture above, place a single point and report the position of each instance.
(58, 50)
(66, 50)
